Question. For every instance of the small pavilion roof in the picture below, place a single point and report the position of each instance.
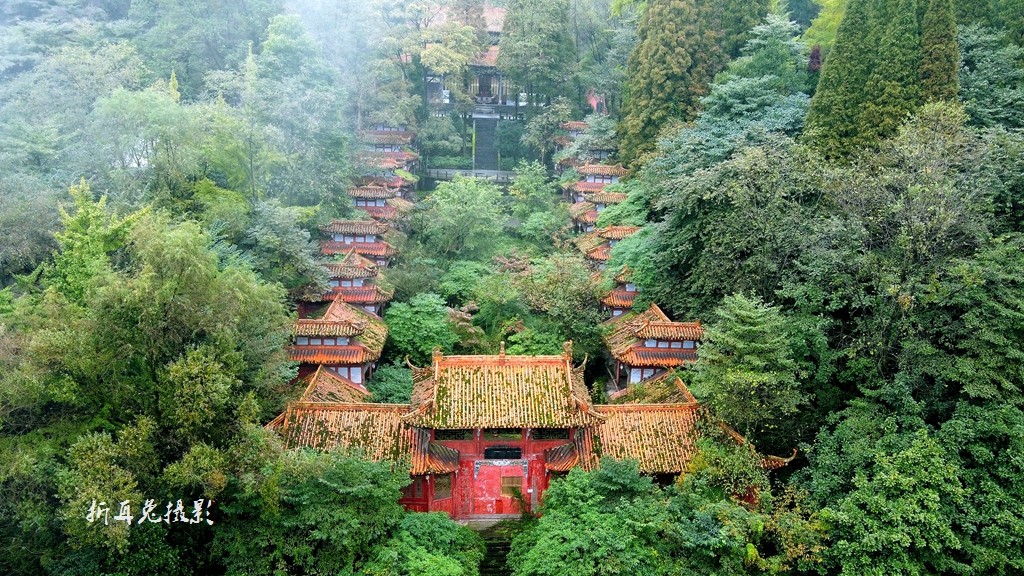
(596, 244)
(363, 295)
(501, 391)
(401, 137)
(379, 249)
(626, 334)
(576, 125)
(607, 197)
(355, 227)
(366, 331)
(373, 192)
(603, 170)
(352, 266)
(585, 187)
(584, 212)
(325, 385)
(619, 297)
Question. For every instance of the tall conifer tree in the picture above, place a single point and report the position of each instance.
(940, 62)
(871, 79)
(669, 70)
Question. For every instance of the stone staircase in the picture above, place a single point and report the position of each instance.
(495, 556)
(486, 145)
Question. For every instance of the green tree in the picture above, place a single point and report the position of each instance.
(898, 519)
(940, 59)
(417, 327)
(745, 369)
(991, 77)
(391, 384)
(536, 48)
(462, 218)
(871, 79)
(669, 70)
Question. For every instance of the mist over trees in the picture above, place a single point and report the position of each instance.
(834, 187)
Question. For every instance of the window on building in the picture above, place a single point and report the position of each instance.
(315, 342)
(380, 202)
(550, 434)
(302, 341)
(414, 490)
(453, 435)
(650, 343)
(334, 283)
(511, 486)
(342, 341)
(442, 486)
(677, 345)
(688, 344)
(328, 341)
(356, 375)
(503, 434)
(346, 283)
(662, 344)
(630, 287)
(616, 312)
(357, 282)
(503, 453)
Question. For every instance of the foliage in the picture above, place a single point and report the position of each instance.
(991, 77)
(429, 544)
(745, 370)
(536, 48)
(461, 218)
(417, 327)
(541, 129)
(391, 384)
(940, 59)
(670, 69)
(871, 78)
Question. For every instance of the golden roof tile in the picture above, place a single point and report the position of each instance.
(325, 385)
(603, 170)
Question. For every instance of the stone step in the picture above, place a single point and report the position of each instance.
(486, 145)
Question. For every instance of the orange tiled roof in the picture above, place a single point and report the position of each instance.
(341, 319)
(401, 204)
(500, 391)
(577, 125)
(378, 249)
(355, 227)
(588, 187)
(373, 156)
(661, 437)
(607, 197)
(372, 192)
(619, 298)
(583, 212)
(665, 388)
(488, 58)
(325, 385)
(387, 136)
(430, 457)
(352, 266)
(380, 212)
(626, 344)
(362, 295)
(385, 181)
(665, 330)
(561, 458)
(617, 232)
(380, 162)
(375, 430)
(603, 170)
(602, 253)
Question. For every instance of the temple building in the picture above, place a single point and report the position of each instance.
(647, 344)
(483, 436)
(365, 237)
(382, 203)
(486, 84)
(620, 300)
(596, 246)
(355, 280)
(345, 340)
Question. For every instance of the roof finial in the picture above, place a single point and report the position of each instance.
(567, 350)
(437, 354)
(501, 350)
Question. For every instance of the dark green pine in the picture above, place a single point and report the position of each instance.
(940, 56)
(669, 70)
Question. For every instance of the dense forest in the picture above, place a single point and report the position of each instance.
(834, 187)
